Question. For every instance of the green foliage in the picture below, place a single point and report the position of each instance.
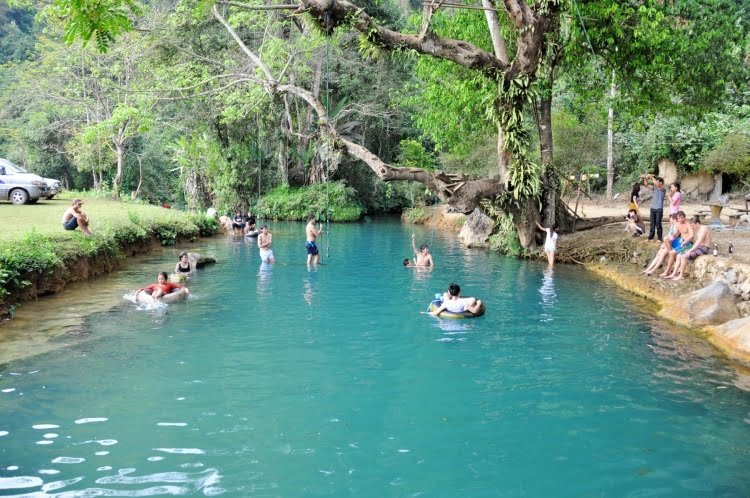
(505, 237)
(678, 138)
(732, 155)
(16, 33)
(333, 200)
(412, 154)
(206, 225)
(101, 19)
(442, 90)
(33, 252)
(418, 214)
(579, 141)
(524, 175)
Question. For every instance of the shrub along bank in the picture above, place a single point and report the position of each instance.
(332, 201)
(37, 256)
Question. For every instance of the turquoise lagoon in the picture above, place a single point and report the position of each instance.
(279, 380)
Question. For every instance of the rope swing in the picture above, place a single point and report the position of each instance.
(328, 155)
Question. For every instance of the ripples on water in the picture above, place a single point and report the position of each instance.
(276, 380)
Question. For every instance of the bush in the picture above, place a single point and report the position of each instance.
(332, 201)
(505, 239)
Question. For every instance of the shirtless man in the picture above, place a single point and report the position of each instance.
(685, 231)
(422, 257)
(313, 256)
(265, 239)
(74, 217)
(701, 246)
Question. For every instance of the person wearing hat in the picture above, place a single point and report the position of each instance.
(74, 218)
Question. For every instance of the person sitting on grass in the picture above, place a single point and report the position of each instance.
(634, 225)
(74, 218)
(701, 247)
(454, 303)
(162, 287)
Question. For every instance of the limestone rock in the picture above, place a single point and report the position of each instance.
(476, 230)
(667, 170)
(711, 305)
(199, 260)
(733, 337)
(697, 185)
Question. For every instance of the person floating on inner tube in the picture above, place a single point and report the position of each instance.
(454, 303)
(162, 287)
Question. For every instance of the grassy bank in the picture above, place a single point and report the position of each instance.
(33, 242)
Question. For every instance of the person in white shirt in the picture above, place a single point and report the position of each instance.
(550, 243)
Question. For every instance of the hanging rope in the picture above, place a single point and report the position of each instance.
(328, 155)
(260, 162)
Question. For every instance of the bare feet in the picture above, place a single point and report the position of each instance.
(678, 277)
(662, 275)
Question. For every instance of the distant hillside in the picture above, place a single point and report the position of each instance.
(17, 33)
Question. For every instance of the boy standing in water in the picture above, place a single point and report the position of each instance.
(313, 255)
(422, 257)
(264, 244)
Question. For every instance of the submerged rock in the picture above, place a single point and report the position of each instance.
(199, 260)
(733, 337)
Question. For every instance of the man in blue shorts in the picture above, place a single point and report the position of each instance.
(74, 218)
(313, 256)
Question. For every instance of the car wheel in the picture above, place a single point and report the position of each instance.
(50, 197)
(19, 196)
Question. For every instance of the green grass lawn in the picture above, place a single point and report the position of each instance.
(33, 240)
(46, 217)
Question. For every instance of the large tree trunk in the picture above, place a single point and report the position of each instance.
(550, 182)
(119, 154)
(610, 138)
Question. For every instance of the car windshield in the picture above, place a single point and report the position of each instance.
(12, 168)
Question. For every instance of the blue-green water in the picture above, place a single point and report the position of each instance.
(279, 381)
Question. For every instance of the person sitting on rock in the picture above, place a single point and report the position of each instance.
(664, 248)
(701, 247)
(685, 242)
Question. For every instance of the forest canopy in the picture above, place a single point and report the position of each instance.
(201, 103)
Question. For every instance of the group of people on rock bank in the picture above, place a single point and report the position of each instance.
(686, 239)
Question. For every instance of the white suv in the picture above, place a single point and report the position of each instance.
(19, 186)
